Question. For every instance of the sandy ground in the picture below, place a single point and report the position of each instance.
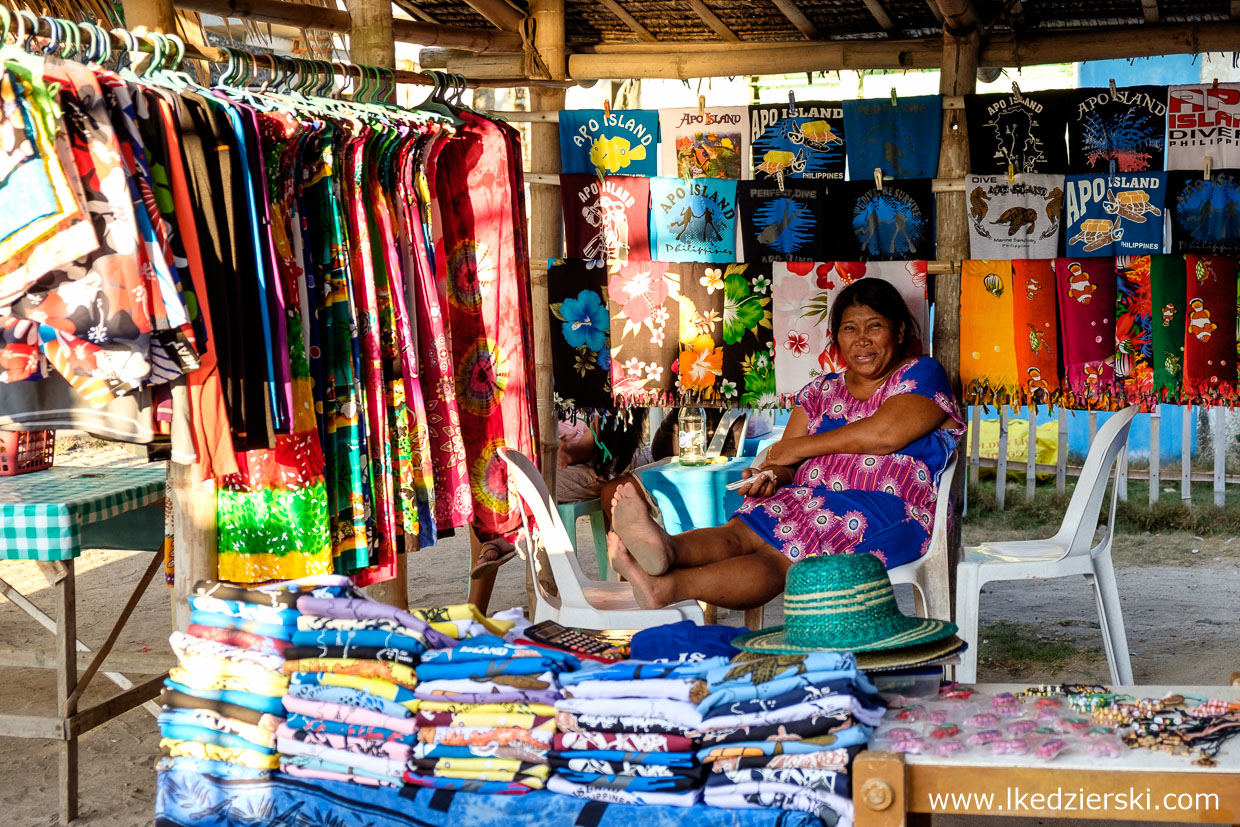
(1178, 620)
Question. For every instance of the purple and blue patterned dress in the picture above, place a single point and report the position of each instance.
(860, 503)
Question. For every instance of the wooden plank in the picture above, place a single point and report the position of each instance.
(1235, 9)
(712, 20)
(797, 18)
(148, 664)
(879, 796)
(32, 726)
(66, 682)
(117, 705)
(1220, 456)
(629, 20)
(1186, 454)
(416, 10)
(1031, 461)
(1001, 462)
(959, 16)
(975, 445)
(1149, 9)
(498, 12)
(1061, 457)
(1155, 454)
(934, 9)
(880, 14)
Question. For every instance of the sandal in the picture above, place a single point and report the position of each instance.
(487, 566)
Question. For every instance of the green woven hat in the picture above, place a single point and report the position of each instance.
(842, 603)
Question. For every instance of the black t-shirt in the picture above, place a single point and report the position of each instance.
(895, 223)
(1124, 132)
(1027, 132)
(782, 225)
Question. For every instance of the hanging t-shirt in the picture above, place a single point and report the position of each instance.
(1121, 132)
(704, 143)
(1016, 219)
(809, 144)
(693, 221)
(1202, 120)
(1205, 212)
(787, 224)
(901, 140)
(1115, 215)
(1024, 131)
(625, 142)
(888, 224)
(606, 220)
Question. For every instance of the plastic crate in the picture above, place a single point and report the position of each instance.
(24, 451)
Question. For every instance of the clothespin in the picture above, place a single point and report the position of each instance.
(1209, 163)
(1112, 87)
(1214, 85)
(779, 179)
(809, 78)
(606, 109)
(1016, 93)
(878, 175)
(702, 106)
(893, 96)
(792, 106)
(1011, 173)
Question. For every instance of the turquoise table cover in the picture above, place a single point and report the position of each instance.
(42, 513)
(694, 496)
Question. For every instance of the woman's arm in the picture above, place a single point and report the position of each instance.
(898, 422)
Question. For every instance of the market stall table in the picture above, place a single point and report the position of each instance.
(42, 516)
(890, 789)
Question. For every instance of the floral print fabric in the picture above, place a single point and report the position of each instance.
(580, 336)
(644, 333)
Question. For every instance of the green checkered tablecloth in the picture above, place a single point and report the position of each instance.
(42, 514)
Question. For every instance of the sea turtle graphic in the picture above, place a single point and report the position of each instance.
(1130, 205)
(1096, 233)
(1018, 217)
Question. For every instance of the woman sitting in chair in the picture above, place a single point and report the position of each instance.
(857, 471)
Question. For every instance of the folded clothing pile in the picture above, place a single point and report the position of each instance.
(222, 702)
(350, 700)
(780, 731)
(628, 732)
(485, 717)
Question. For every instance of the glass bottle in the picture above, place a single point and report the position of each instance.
(692, 427)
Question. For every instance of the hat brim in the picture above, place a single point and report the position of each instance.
(916, 631)
(925, 654)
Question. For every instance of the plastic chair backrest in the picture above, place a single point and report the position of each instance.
(1080, 521)
(721, 433)
(551, 532)
(944, 499)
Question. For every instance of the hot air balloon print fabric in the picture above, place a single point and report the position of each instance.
(782, 223)
(1014, 218)
(622, 142)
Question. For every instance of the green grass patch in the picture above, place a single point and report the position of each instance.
(1024, 647)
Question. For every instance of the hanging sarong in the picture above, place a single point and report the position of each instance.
(1168, 295)
(988, 370)
(1036, 331)
(1086, 293)
(1134, 348)
(1210, 330)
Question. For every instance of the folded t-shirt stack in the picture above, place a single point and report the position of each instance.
(485, 716)
(350, 696)
(222, 702)
(628, 732)
(780, 730)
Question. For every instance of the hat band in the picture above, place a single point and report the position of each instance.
(855, 599)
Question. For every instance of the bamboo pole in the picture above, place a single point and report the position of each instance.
(1155, 454)
(1186, 454)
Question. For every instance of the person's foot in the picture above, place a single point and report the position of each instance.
(649, 592)
(648, 544)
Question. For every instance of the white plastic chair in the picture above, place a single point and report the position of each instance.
(1071, 551)
(582, 602)
(929, 574)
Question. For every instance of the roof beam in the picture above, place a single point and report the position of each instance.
(413, 9)
(934, 9)
(797, 18)
(880, 14)
(501, 15)
(629, 20)
(1149, 8)
(959, 16)
(712, 20)
(1235, 9)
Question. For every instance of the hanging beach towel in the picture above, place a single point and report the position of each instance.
(1210, 330)
(693, 220)
(987, 350)
(1120, 131)
(580, 336)
(626, 142)
(1022, 132)
(785, 223)
(808, 145)
(606, 219)
(1168, 298)
(1115, 215)
(1205, 212)
(1086, 294)
(1200, 122)
(645, 333)
(1134, 347)
(704, 143)
(901, 140)
(1036, 329)
(1019, 218)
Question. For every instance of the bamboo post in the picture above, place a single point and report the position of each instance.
(1001, 460)
(1186, 454)
(975, 445)
(1155, 454)
(1220, 456)
(372, 42)
(1061, 456)
(1031, 461)
(958, 76)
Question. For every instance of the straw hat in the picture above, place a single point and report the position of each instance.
(842, 603)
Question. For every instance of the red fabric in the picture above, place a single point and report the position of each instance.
(1210, 330)
(235, 637)
(1037, 334)
(606, 219)
(1086, 294)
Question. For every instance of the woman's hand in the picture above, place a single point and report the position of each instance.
(765, 485)
(788, 452)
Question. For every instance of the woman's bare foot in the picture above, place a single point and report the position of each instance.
(649, 592)
(648, 544)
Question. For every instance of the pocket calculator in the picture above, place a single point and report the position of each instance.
(550, 633)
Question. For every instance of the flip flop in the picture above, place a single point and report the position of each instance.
(486, 566)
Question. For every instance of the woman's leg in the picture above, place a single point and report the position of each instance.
(740, 582)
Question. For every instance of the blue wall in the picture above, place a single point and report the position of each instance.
(1169, 433)
(1158, 71)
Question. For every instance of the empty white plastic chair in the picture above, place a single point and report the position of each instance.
(1071, 551)
(929, 574)
(582, 602)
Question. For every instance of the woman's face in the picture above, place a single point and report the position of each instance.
(868, 341)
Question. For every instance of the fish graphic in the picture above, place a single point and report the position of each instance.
(616, 153)
(771, 232)
(776, 161)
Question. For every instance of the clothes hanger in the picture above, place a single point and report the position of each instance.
(434, 104)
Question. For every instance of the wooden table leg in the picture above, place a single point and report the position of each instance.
(879, 798)
(754, 618)
(66, 682)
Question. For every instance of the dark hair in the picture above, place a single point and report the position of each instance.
(881, 297)
(622, 439)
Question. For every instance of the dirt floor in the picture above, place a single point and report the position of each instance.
(1178, 607)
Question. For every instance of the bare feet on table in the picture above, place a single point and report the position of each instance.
(650, 592)
(641, 535)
